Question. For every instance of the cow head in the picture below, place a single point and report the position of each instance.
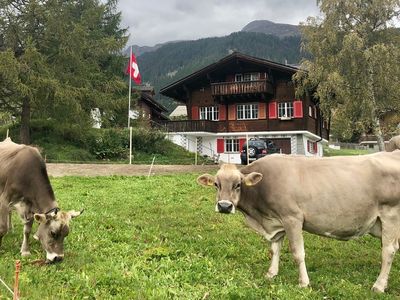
(53, 228)
(229, 182)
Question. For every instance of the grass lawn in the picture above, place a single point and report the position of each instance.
(344, 151)
(160, 238)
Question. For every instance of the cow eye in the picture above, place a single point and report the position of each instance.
(237, 186)
(216, 185)
(54, 235)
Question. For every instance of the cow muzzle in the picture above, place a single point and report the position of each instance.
(225, 207)
(54, 257)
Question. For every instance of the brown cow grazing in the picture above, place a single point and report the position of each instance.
(394, 143)
(24, 185)
(337, 197)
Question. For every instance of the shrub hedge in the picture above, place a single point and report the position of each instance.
(72, 142)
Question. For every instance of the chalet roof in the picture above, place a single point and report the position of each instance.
(170, 90)
(148, 98)
(147, 95)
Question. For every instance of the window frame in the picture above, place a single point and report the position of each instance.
(310, 147)
(288, 109)
(239, 77)
(248, 111)
(210, 113)
(246, 77)
(232, 145)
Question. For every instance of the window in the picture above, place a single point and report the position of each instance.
(310, 111)
(285, 110)
(312, 147)
(232, 145)
(247, 77)
(247, 111)
(209, 113)
(238, 77)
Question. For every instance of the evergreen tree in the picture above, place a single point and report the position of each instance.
(60, 59)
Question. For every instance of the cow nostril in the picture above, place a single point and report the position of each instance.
(225, 207)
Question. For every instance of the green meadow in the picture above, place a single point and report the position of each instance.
(159, 238)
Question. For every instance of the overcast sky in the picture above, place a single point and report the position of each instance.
(157, 21)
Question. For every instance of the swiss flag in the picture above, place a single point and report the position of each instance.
(133, 70)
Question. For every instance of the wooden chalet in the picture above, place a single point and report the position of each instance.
(241, 97)
(148, 107)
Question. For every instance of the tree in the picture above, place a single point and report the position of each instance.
(60, 59)
(353, 69)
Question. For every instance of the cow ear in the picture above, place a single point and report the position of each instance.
(253, 178)
(74, 213)
(206, 180)
(41, 218)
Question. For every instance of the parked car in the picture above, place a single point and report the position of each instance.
(257, 148)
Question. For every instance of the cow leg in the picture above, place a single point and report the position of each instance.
(294, 232)
(4, 212)
(25, 243)
(390, 245)
(10, 225)
(275, 251)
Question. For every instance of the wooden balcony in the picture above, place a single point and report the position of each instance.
(240, 88)
(232, 126)
(191, 126)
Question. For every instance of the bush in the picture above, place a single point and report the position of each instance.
(109, 143)
(72, 142)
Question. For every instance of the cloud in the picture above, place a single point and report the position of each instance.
(157, 21)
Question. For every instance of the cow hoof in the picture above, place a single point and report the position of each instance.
(304, 284)
(378, 289)
(270, 275)
(25, 253)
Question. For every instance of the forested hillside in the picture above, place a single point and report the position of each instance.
(176, 60)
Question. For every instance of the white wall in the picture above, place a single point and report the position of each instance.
(208, 146)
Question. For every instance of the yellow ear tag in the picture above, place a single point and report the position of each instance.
(210, 182)
(248, 182)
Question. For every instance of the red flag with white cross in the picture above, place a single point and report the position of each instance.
(133, 70)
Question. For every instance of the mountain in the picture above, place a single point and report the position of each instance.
(173, 61)
(139, 50)
(268, 27)
(260, 26)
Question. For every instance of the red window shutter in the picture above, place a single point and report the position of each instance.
(222, 112)
(241, 143)
(272, 112)
(220, 146)
(195, 112)
(315, 145)
(231, 112)
(297, 109)
(261, 110)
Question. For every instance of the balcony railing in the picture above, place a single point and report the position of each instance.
(237, 88)
(191, 126)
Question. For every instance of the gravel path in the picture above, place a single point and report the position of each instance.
(58, 170)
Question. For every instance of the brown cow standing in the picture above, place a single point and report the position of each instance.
(24, 185)
(337, 197)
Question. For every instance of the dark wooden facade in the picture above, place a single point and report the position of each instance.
(267, 84)
(149, 108)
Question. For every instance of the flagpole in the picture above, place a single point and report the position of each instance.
(130, 87)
